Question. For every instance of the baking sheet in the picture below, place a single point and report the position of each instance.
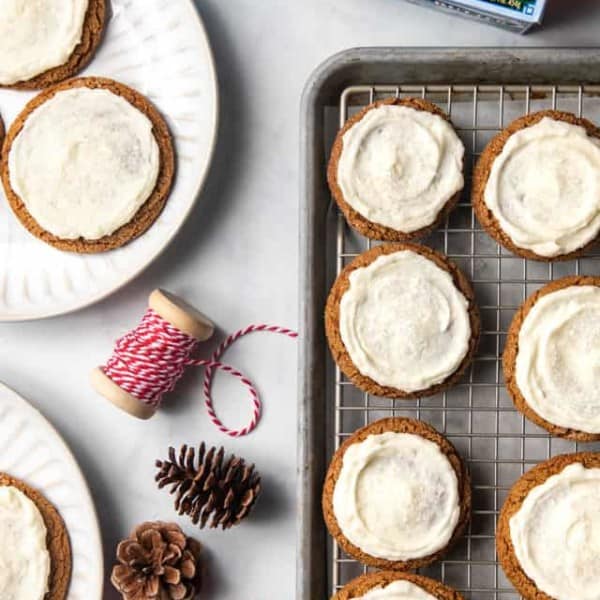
(484, 89)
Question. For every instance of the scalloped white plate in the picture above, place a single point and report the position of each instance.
(160, 48)
(33, 451)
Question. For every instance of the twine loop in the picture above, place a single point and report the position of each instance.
(148, 361)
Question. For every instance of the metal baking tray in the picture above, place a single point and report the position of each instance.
(482, 89)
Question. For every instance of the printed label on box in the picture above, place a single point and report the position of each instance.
(526, 7)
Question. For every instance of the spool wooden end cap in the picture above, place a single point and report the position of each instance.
(182, 316)
(106, 387)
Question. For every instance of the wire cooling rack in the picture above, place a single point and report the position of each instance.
(477, 415)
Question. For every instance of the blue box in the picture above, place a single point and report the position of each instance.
(515, 15)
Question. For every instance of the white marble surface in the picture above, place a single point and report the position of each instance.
(237, 259)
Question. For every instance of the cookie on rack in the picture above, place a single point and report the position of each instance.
(551, 358)
(397, 495)
(547, 533)
(396, 169)
(392, 585)
(536, 186)
(35, 552)
(402, 322)
(47, 41)
(88, 165)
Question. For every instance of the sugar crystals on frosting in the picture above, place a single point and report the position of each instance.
(24, 557)
(396, 496)
(397, 590)
(37, 35)
(403, 321)
(544, 187)
(556, 534)
(558, 361)
(399, 166)
(84, 163)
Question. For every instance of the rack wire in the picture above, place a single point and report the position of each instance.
(497, 443)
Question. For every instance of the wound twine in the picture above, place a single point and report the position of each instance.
(148, 362)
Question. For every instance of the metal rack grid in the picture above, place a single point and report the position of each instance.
(477, 415)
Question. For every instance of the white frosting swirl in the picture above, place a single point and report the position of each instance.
(556, 534)
(558, 362)
(399, 166)
(544, 187)
(397, 496)
(37, 35)
(85, 161)
(403, 321)
(397, 590)
(24, 556)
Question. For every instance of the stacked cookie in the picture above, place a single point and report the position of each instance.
(402, 322)
(88, 164)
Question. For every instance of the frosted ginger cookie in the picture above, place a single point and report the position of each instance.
(402, 322)
(396, 495)
(88, 165)
(536, 186)
(547, 533)
(396, 169)
(394, 585)
(35, 552)
(552, 357)
(47, 41)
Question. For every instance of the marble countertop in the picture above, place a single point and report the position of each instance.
(237, 259)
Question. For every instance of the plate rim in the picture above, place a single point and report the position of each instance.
(70, 458)
(199, 185)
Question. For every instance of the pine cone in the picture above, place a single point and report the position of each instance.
(157, 562)
(205, 485)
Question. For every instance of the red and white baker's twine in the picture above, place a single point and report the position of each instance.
(148, 361)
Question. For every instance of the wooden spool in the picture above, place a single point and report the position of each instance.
(178, 313)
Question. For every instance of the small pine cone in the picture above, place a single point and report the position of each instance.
(208, 488)
(158, 562)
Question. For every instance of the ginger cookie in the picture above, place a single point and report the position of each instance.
(536, 186)
(48, 41)
(397, 585)
(546, 535)
(58, 574)
(550, 360)
(402, 322)
(396, 169)
(397, 495)
(88, 165)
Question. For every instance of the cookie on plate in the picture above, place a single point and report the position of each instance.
(47, 41)
(402, 322)
(551, 358)
(396, 169)
(397, 495)
(88, 165)
(536, 186)
(392, 585)
(547, 533)
(35, 552)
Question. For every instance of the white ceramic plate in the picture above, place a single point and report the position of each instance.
(32, 450)
(160, 48)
